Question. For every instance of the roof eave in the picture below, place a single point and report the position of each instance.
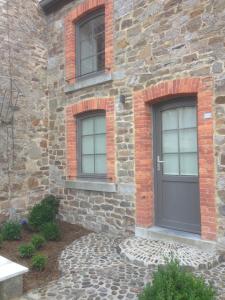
(47, 5)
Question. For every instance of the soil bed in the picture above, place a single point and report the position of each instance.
(34, 279)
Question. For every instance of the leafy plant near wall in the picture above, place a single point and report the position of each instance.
(11, 230)
(51, 231)
(38, 241)
(26, 250)
(172, 282)
(43, 212)
(39, 262)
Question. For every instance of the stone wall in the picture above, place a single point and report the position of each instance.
(153, 41)
(23, 150)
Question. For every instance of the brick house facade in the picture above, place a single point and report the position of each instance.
(155, 52)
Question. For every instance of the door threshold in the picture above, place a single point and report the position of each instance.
(161, 233)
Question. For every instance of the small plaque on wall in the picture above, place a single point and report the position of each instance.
(207, 115)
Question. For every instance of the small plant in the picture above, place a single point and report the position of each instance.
(50, 231)
(39, 262)
(11, 230)
(173, 282)
(26, 250)
(37, 241)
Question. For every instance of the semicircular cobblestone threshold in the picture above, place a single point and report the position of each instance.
(146, 252)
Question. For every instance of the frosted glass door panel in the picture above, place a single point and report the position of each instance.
(188, 140)
(179, 141)
(187, 117)
(189, 164)
(170, 141)
(169, 119)
(171, 164)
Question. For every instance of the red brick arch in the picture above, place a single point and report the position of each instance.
(72, 111)
(203, 89)
(70, 20)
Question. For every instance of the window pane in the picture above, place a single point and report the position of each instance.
(101, 61)
(98, 24)
(100, 144)
(188, 140)
(99, 41)
(86, 49)
(85, 32)
(88, 164)
(100, 164)
(171, 164)
(189, 164)
(100, 125)
(170, 141)
(187, 117)
(169, 119)
(87, 144)
(88, 65)
(87, 126)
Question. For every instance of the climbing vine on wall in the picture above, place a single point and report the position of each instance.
(10, 95)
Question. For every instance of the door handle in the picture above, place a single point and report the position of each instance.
(159, 162)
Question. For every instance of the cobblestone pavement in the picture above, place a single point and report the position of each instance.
(92, 269)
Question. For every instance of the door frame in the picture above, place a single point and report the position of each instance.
(174, 102)
(202, 88)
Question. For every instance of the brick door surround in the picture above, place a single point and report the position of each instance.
(202, 88)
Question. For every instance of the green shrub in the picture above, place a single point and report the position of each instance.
(43, 212)
(26, 250)
(38, 241)
(11, 230)
(40, 214)
(171, 282)
(39, 262)
(50, 231)
(52, 201)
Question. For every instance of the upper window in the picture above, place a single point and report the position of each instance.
(90, 44)
(92, 145)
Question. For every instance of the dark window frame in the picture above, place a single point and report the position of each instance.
(86, 19)
(78, 121)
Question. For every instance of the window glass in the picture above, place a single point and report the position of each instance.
(171, 165)
(90, 51)
(170, 141)
(179, 141)
(189, 164)
(92, 139)
(169, 119)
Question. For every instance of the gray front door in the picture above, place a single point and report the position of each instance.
(176, 165)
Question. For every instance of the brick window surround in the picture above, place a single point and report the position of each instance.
(72, 111)
(70, 20)
(202, 88)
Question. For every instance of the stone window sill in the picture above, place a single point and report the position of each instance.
(97, 186)
(88, 82)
